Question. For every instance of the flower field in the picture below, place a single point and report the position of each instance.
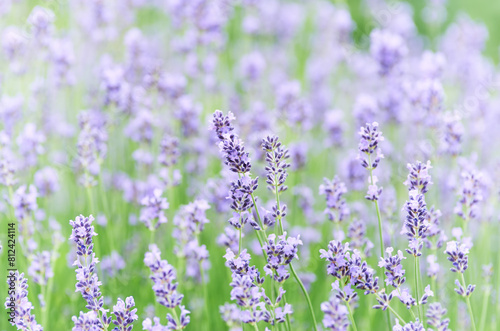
(249, 165)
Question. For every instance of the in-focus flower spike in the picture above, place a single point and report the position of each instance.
(415, 225)
(336, 315)
(276, 156)
(370, 155)
(18, 306)
(163, 276)
(427, 293)
(87, 281)
(457, 255)
(333, 190)
(395, 274)
(411, 326)
(280, 252)
(369, 145)
(419, 178)
(125, 314)
(435, 317)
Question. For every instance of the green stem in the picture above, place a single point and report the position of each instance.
(416, 289)
(205, 294)
(311, 310)
(484, 310)
(351, 315)
(467, 299)
(255, 326)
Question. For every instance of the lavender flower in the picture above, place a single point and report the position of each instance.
(91, 146)
(18, 306)
(24, 201)
(336, 315)
(394, 271)
(125, 314)
(435, 317)
(470, 196)
(276, 155)
(412, 326)
(87, 281)
(457, 255)
(163, 276)
(387, 48)
(333, 190)
(40, 268)
(47, 181)
(280, 252)
(153, 207)
(369, 145)
(419, 178)
(415, 225)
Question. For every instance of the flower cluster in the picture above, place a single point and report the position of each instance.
(470, 196)
(333, 190)
(419, 178)
(280, 252)
(458, 256)
(18, 306)
(416, 224)
(370, 155)
(336, 315)
(125, 314)
(276, 156)
(189, 223)
(154, 206)
(394, 272)
(165, 288)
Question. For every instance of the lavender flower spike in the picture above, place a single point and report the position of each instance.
(370, 155)
(165, 288)
(87, 282)
(154, 205)
(333, 190)
(419, 178)
(336, 315)
(18, 306)
(125, 314)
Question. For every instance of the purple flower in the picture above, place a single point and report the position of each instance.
(394, 271)
(247, 296)
(87, 282)
(369, 145)
(40, 268)
(46, 181)
(30, 144)
(415, 225)
(276, 156)
(280, 252)
(163, 276)
(333, 190)
(125, 314)
(336, 315)
(419, 178)
(153, 207)
(24, 201)
(457, 255)
(470, 196)
(387, 48)
(91, 145)
(435, 317)
(411, 326)
(19, 304)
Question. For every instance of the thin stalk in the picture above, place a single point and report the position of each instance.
(416, 288)
(205, 294)
(467, 299)
(484, 310)
(255, 326)
(393, 311)
(381, 237)
(309, 303)
(351, 316)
